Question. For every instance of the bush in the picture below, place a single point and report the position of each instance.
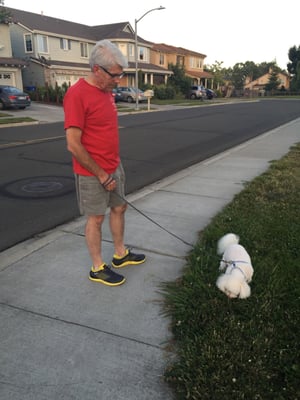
(163, 92)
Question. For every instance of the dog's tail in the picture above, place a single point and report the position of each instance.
(227, 240)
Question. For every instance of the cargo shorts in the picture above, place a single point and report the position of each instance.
(93, 199)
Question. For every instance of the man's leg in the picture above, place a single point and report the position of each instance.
(93, 237)
(117, 227)
(100, 272)
(122, 256)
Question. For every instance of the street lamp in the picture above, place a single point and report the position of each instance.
(136, 54)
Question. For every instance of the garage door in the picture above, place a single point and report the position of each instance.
(7, 78)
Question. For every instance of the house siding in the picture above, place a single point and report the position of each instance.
(5, 43)
(10, 67)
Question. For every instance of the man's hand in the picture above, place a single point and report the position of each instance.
(109, 184)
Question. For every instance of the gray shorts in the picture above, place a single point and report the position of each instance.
(93, 199)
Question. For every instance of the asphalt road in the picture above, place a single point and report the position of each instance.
(37, 186)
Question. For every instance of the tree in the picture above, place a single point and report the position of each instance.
(294, 67)
(273, 82)
(4, 13)
(179, 80)
(237, 75)
(218, 72)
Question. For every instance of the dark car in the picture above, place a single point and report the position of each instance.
(116, 95)
(210, 94)
(12, 97)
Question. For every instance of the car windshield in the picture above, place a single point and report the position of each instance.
(12, 90)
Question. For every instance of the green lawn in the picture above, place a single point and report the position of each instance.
(10, 119)
(243, 349)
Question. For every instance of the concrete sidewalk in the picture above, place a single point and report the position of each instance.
(65, 337)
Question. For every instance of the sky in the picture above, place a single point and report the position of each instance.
(228, 31)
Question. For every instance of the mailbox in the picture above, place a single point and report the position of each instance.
(149, 93)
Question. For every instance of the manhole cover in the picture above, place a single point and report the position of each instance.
(42, 187)
(39, 187)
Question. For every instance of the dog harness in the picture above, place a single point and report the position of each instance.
(234, 266)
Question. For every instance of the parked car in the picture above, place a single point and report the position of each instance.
(12, 97)
(129, 94)
(116, 95)
(197, 92)
(210, 94)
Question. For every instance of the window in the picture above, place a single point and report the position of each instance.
(65, 44)
(42, 42)
(195, 63)
(161, 59)
(28, 43)
(141, 53)
(180, 60)
(131, 50)
(83, 50)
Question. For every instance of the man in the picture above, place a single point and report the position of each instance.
(91, 125)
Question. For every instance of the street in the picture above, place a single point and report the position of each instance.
(37, 186)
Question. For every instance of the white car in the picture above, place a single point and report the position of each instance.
(128, 94)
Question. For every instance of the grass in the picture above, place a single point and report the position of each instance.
(243, 349)
(8, 119)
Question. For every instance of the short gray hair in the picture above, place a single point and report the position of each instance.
(107, 54)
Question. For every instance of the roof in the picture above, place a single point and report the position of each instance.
(199, 74)
(172, 49)
(42, 23)
(66, 64)
(12, 62)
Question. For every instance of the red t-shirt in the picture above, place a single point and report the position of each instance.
(94, 112)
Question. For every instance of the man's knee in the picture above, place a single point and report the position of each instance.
(119, 209)
(95, 220)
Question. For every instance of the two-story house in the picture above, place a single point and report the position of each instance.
(193, 63)
(57, 51)
(10, 67)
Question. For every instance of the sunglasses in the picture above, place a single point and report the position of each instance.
(113, 76)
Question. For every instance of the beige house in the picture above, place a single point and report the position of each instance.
(10, 67)
(57, 51)
(163, 54)
(258, 85)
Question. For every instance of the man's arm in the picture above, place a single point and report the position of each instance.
(75, 147)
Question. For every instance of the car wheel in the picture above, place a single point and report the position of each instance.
(193, 96)
(129, 99)
(2, 107)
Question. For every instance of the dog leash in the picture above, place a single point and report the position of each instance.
(154, 222)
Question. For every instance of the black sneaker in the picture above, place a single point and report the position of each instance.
(106, 276)
(128, 259)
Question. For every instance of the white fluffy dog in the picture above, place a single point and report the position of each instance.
(237, 265)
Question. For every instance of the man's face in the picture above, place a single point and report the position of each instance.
(107, 79)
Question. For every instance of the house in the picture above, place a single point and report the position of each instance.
(10, 67)
(57, 51)
(193, 63)
(258, 85)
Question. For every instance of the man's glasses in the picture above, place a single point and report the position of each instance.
(113, 76)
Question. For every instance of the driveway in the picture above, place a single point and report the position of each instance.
(44, 113)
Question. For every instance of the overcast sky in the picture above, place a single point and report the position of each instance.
(224, 30)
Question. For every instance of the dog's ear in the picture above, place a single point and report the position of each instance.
(222, 265)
